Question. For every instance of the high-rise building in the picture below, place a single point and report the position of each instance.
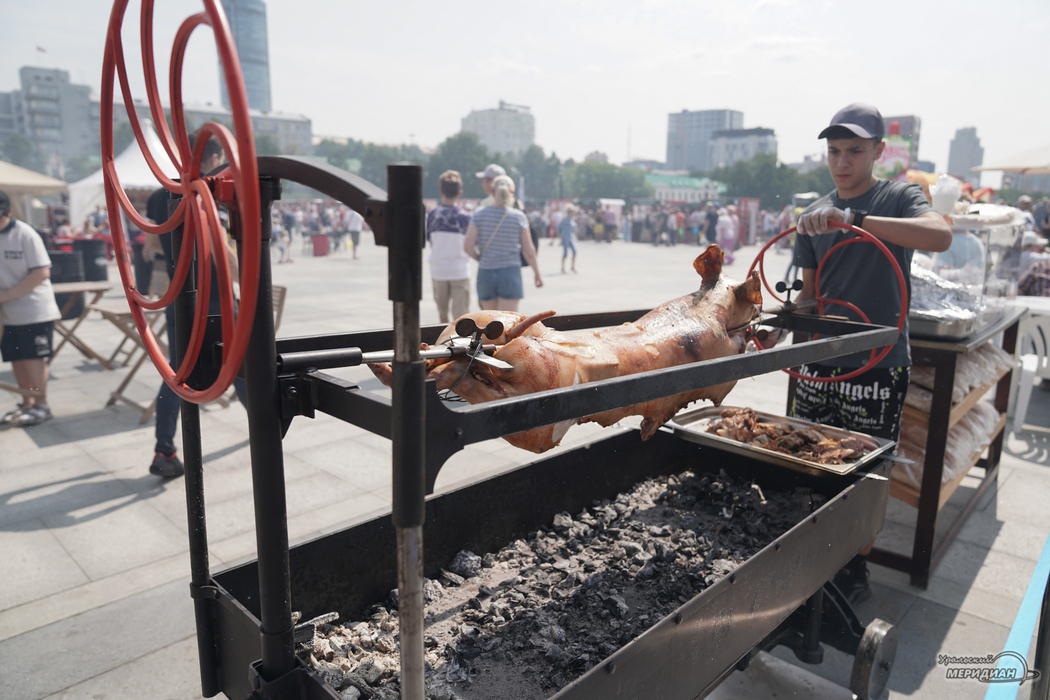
(293, 133)
(49, 111)
(508, 129)
(965, 152)
(910, 127)
(729, 146)
(248, 24)
(689, 136)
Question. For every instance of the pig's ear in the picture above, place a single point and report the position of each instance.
(750, 291)
(709, 265)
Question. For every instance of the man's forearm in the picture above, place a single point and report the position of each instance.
(928, 232)
(28, 283)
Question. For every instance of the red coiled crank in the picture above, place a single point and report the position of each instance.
(197, 211)
(863, 236)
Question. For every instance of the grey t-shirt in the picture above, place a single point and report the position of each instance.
(859, 273)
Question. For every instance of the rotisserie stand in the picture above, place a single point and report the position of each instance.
(245, 635)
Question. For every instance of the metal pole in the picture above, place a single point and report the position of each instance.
(267, 454)
(408, 419)
(193, 460)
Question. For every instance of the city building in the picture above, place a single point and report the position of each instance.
(51, 113)
(810, 163)
(729, 146)
(596, 157)
(965, 152)
(643, 164)
(689, 135)
(1026, 183)
(910, 126)
(292, 132)
(684, 189)
(507, 129)
(926, 166)
(248, 24)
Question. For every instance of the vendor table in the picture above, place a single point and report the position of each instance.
(1037, 306)
(942, 356)
(76, 290)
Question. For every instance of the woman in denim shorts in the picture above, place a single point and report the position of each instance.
(497, 238)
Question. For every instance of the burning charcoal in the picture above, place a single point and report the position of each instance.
(630, 548)
(455, 673)
(451, 579)
(468, 651)
(562, 522)
(489, 643)
(385, 644)
(369, 671)
(304, 634)
(466, 564)
(441, 691)
(432, 590)
(617, 606)
(646, 572)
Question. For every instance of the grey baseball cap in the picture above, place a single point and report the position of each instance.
(492, 172)
(862, 120)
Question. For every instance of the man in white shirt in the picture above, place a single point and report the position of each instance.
(29, 312)
(449, 263)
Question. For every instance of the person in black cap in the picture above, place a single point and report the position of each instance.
(28, 312)
(898, 214)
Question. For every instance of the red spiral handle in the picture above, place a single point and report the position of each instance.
(197, 211)
(874, 358)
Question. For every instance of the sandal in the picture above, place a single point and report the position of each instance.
(12, 417)
(34, 415)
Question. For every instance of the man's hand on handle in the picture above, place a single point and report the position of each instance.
(816, 222)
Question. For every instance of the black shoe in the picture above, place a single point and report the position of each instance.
(852, 580)
(168, 466)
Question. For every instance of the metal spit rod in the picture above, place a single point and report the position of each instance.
(786, 308)
(351, 357)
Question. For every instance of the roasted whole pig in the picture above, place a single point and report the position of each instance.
(687, 329)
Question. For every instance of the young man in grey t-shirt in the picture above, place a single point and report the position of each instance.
(897, 214)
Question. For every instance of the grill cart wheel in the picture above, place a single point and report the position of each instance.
(874, 660)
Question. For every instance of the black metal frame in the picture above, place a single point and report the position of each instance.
(426, 432)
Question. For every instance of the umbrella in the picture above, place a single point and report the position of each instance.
(1035, 161)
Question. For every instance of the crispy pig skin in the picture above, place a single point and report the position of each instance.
(683, 330)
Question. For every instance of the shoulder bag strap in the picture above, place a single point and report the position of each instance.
(494, 231)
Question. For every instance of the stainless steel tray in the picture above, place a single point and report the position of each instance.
(925, 327)
(692, 426)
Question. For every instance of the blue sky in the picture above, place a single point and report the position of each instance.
(598, 75)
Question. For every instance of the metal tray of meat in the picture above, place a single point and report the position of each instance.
(692, 426)
(927, 327)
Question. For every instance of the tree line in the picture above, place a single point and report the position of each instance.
(768, 180)
(545, 176)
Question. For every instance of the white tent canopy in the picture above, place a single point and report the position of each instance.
(132, 170)
(1035, 161)
(21, 185)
